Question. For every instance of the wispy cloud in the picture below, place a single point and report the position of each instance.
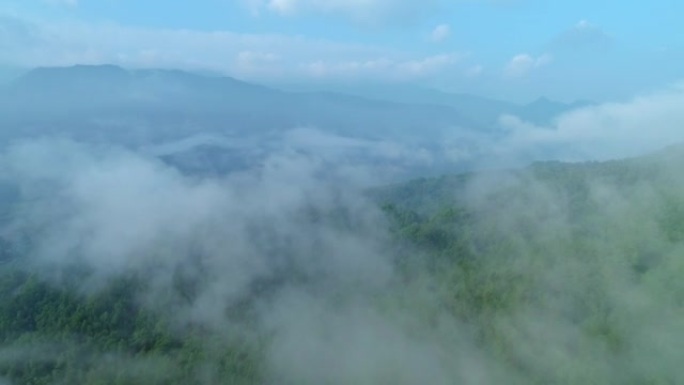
(251, 56)
(69, 3)
(475, 71)
(361, 11)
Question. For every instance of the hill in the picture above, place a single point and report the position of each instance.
(85, 101)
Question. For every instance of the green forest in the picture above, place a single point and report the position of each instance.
(558, 273)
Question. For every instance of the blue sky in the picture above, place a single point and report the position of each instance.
(510, 49)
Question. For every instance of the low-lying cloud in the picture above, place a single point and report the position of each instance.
(610, 130)
(294, 236)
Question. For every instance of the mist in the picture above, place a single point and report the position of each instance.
(612, 130)
(164, 227)
(311, 254)
(581, 289)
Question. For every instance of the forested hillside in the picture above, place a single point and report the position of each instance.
(553, 274)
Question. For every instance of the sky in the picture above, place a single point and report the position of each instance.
(601, 50)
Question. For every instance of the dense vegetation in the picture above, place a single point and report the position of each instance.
(562, 273)
(56, 335)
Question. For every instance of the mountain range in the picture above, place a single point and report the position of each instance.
(149, 108)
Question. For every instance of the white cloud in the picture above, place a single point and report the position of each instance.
(430, 64)
(441, 33)
(364, 11)
(372, 12)
(520, 65)
(250, 56)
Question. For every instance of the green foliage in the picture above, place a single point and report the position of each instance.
(562, 274)
(569, 261)
(51, 334)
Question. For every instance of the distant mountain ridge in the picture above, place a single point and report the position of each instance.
(426, 195)
(483, 110)
(144, 108)
(86, 86)
(80, 94)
